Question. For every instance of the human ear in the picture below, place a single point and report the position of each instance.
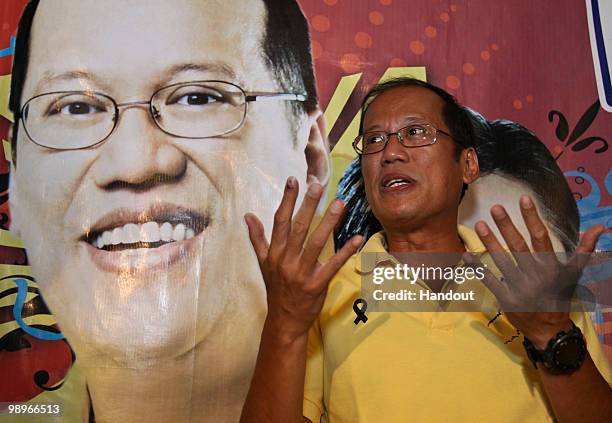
(469, 165)
(317, 148)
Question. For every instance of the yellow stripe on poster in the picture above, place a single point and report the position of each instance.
(343, 91)
(9, 240)
(13, 269)
(418, 72)
(38, 319)
(8, 274)
(5, 89)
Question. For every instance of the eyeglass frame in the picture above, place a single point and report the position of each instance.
(154, 113)
(387, 138)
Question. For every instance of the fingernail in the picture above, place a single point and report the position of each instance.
(498, 212)
(482, 228)
(526, 202)
(290, 182)
(315, 189)
(336, 206)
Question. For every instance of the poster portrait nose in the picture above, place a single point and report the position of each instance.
(137, 150)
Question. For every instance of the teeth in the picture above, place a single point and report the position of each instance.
(106, 238)
(131, 233)
(117, 236)
(396, 182)
(179, 232)
(149, 232)
(166, 231)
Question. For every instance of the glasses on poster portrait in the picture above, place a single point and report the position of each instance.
(73, 120)
(417, 134)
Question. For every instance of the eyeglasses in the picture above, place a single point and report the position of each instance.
(72, 120)
(418, 134)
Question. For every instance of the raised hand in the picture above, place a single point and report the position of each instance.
(535, 292)
(296, 283)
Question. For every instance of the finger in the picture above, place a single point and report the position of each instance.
(514, 240)
(499, 255)
(327, 271)
(282, 217)
(320, 235)
(498, 287)
(587, 244)
(589, 238)
(538, 232)
(257, 236)
(540, 239)
(303, 218)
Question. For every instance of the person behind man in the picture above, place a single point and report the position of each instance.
(317, 359)
(513, 161)
(144, 131)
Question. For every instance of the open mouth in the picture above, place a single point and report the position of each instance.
(125, 230)
(394, 181)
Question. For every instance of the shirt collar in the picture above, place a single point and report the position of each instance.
(376, 247)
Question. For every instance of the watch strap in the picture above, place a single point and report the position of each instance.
(550, 356)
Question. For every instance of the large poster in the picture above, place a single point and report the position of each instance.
(128, 285)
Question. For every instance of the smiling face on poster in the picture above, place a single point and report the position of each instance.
(146, 136)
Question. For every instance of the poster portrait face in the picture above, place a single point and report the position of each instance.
(136, 235)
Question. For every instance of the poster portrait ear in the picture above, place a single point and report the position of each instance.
(317, 147)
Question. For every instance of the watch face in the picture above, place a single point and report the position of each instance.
(569, 353)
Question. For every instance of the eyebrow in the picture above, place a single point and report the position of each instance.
(218, 67)
(49, 77)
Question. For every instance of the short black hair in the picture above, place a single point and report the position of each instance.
(515, 152)
(359, 218)
(285, 49)
(455, 116)
(286, 46)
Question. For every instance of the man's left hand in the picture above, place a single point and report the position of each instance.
(536, 288)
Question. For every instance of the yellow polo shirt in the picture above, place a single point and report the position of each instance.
(426, 366)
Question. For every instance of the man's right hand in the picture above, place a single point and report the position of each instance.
(296, 283)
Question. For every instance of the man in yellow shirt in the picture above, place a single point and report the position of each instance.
(427, 365)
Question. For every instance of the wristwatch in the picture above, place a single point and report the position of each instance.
(564, 353)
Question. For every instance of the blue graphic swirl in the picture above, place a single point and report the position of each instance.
(22, 292)
(590, 214)
(8, 51)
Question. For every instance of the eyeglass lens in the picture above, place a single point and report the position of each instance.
(70, 120)
(416, 135)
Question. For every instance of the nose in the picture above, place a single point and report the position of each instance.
(138, 153)
(394, 151)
